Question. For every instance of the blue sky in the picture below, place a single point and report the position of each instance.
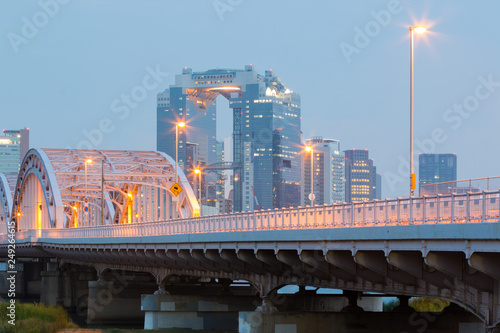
(66, 65)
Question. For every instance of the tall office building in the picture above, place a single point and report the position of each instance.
(437, 168)
(14, 144)
(266, 130)
(361, 176)
(328, 175)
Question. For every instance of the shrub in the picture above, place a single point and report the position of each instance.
(35, 318)
(389, 306)
(428, 304)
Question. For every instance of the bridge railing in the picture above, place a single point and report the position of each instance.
(441, 209)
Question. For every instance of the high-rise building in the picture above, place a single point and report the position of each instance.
(266, 131)
(328, 175)
(361, 176)
(14, 144)
(437, 168)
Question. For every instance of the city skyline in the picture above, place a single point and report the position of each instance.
(349, 79)
(266, 131)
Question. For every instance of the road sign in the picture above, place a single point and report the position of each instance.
(312, 196)
(176, 189)
(86, 209)
(86, 200)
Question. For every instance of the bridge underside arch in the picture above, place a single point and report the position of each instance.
(61, 188)
(443, 275)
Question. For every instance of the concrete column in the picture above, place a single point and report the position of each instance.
(194, 312)
(352, 297)
(116, 297)
(403, 305)
(51, 285)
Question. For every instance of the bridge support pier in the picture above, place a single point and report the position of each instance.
(67, 287)
(352, 297)
(194, 312)
(52, 286)
(116, 297)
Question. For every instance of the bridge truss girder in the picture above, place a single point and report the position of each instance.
(56, 186)
(7, 182)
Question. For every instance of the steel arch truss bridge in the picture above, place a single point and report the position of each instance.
(7, 185)
(60, 188)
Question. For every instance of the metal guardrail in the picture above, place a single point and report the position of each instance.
(474, 185)
(439, 209)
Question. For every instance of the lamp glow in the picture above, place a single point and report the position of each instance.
(420, 29)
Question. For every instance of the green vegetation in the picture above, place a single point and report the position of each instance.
(34, 318)
(389, 306)
(428, 304)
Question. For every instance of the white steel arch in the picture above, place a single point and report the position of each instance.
(7, 184)
(58, 188)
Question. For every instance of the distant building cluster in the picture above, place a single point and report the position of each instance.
(439, 170)
(264, 164)
(14, 144)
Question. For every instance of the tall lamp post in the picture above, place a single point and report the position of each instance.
(311, 194)
(418, 30)
(181, 125)
(198, 172)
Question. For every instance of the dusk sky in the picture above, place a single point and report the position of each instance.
(66, 65)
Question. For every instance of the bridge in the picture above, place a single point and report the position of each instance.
(444, 246)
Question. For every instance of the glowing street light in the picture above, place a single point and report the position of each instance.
(419, 30)
(198, 172)
(311, 194)
(181, 125)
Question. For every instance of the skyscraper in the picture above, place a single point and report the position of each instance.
(329, 172)
(14, 144)
(361, 176)
(437, 168)
(266, 130)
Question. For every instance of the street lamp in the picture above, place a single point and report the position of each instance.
(198, 172)
(311, 195)
(418, 30)
(181, 125)
(87, 161)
